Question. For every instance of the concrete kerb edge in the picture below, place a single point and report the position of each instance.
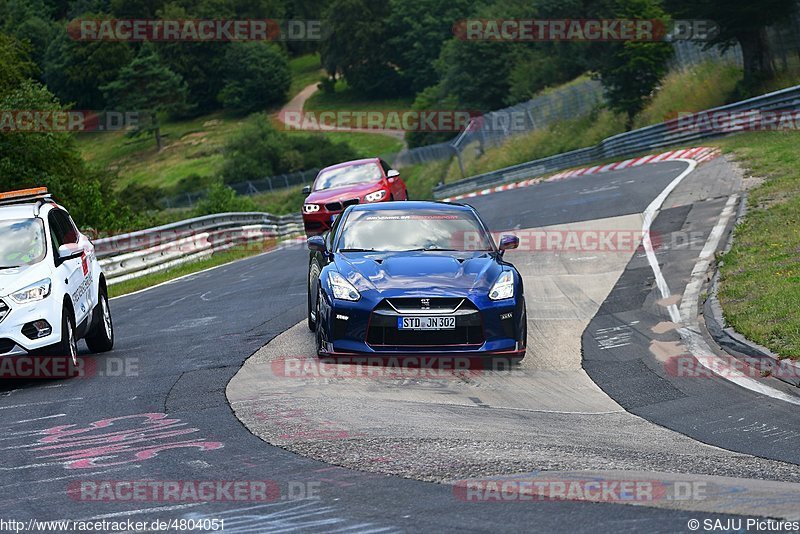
(728, 339)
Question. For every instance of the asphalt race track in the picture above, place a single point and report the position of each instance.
(595, 399)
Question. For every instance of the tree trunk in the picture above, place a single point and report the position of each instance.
(159, 141)
(755, 53)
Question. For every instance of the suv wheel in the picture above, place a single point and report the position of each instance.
(101, 336)
(68, 346)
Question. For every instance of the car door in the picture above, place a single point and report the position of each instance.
(74, 272)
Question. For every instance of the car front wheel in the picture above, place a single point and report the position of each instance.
(101, 336)
(68, 346)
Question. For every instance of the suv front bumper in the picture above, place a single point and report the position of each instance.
(13, 342)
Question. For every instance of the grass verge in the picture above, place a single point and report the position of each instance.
(760, 276)
(220, 258)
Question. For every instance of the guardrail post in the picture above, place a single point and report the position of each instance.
(460, 163)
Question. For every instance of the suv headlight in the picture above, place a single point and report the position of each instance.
(377, 196)
(33, 292)
(342, 289)
(503, 288)
(310, 208)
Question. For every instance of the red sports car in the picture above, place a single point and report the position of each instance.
(353, 182)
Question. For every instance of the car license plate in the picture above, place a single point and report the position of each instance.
(442, 322)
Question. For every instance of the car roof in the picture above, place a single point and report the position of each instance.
(26, 210)
(17, 211)
(349, 163)
(411, 205)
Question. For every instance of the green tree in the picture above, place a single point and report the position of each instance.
(17, 66)
(222, 199)
(146, 85)
(357, 46)
(76, 70)
(51, 159)
(629, 70)
(742, 21)
(476, 73)
(256, 76)
(257, 151)
(417, 31)
(30, 21)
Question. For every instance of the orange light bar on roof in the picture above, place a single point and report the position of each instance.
(22, 193)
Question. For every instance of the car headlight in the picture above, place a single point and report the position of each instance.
(342, 289)
(310, 208)
(503, 288)
(33, 292)
(377, 196)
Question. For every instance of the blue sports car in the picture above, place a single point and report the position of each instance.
(414, 278)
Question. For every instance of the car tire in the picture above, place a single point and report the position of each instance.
(68, 346)
(319, 339)
(524, 337)
(313, 274)
(406, 193)
(101, 335)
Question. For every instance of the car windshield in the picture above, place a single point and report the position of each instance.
(22, 242)
(363, 173)
(429, 230)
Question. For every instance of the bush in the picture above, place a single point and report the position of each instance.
(259, 151)
(221, 199)
(256, 77)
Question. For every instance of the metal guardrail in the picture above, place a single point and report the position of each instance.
(672, 132)
(136, 254)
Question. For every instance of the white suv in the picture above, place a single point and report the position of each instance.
(52, 291)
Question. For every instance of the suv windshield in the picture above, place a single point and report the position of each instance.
(22, 242)
(363, 173)
(428, 230)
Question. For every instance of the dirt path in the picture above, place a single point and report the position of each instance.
(298, 104)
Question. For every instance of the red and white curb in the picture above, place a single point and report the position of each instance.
(698, 154)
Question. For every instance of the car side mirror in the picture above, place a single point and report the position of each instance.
(307, 190)
(317, 244)
(508, 242)
(69, 252)
(392, 175)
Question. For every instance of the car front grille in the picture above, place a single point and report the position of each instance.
(4, 309)
(383, 329)
(339, 206)
(423, 306)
